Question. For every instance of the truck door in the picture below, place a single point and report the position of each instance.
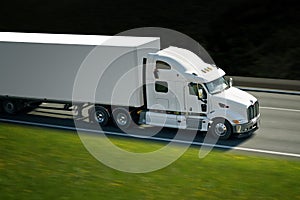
(196, 104)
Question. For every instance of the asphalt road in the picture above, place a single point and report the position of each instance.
(280, 123)
(279, 131)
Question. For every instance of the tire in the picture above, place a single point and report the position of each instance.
(122, 118)
(10, 107)
(221, 129)
(100, 115)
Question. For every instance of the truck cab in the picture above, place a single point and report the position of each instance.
(184, 92)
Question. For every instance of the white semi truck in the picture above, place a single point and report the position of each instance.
(169, 87)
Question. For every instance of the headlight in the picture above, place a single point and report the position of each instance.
(238, 128)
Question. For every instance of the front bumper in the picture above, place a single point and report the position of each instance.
(247, 127)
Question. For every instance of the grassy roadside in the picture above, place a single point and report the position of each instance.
(37, 163)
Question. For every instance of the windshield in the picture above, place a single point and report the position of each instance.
(217, 85)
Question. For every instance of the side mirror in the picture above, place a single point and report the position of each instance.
(200, 93)
(230, 82)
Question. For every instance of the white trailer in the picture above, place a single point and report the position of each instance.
(172, 87)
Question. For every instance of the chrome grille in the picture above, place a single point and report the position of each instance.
(253, 111)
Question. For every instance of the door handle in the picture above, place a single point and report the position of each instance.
(191, 109)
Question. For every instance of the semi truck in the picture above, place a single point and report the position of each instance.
(134, 81)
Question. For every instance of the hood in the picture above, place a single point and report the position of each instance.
(236, 96)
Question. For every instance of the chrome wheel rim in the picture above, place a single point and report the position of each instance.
(122, 119)
(220, 129)
(100, 117)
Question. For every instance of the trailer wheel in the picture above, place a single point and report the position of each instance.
(122, 118)
(221, 129)
(100, 115)
(10, 107)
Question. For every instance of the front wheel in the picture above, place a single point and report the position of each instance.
(221, 129)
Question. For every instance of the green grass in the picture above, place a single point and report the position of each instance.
(37, 163)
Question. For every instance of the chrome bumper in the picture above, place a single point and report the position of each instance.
(245, 128)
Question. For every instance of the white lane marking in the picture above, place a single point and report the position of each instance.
(266, 90)
(280, 109)
(157, 139)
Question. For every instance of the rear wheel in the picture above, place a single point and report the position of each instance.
(11, 107)
(221, 129)
(122, 118)
(100, 115)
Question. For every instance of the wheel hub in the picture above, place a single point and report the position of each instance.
(100, 117)
(220, 129)
(9, 107)
(122, 119)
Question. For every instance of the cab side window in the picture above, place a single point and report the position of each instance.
(161, 86)
(162, 65)
(193, 89)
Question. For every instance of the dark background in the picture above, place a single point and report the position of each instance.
(258, 38)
